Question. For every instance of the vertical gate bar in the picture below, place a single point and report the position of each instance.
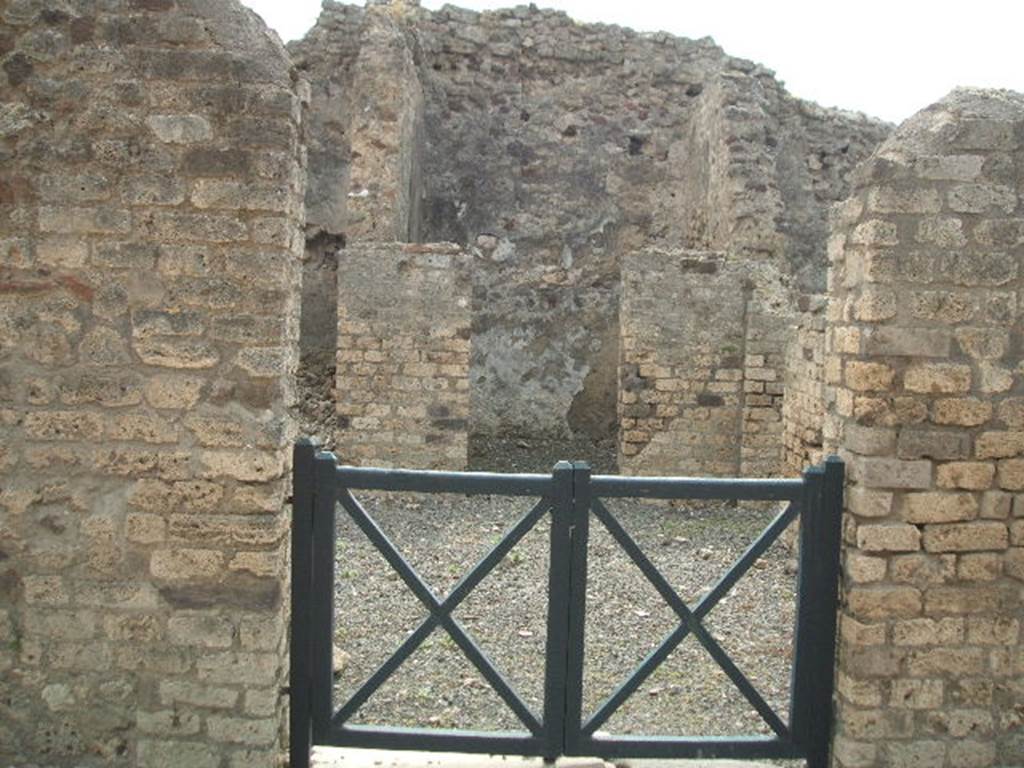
(558, 612)
(299, 668)
(811, 698)
(325, 471)
(831, 532)
(577, 607)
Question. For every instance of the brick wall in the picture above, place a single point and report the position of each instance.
(700, 372)
(403, 355)
(803, 410)
(150, 232)
(924, 333)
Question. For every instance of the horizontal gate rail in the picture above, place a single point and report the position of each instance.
(428, 481)
(570, 495)
(696, 488)
(704, 748)
(433, 740)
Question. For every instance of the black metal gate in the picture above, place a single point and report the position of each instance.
(571, 496)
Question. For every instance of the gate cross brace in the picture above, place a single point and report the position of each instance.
(690, 620)
(440, 611)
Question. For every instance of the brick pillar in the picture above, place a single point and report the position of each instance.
(927, 406)
(402, 395)
(150, 232)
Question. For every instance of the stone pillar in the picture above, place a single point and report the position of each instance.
(150, 231)
(385, 131)
(403, 356)
(927, 407)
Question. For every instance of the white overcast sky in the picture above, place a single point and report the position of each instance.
(887, 58)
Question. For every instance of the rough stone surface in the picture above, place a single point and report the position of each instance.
(922, 398)
(558, 149)
(150, 235)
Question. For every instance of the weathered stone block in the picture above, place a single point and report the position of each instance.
(882, 602)
(240, 730)
(955, 662)
(916, 754)
(948, 631)
(979, 566)
(988, 631)
(174, 754)
(915, 443)
(999, 445)
(938, 507)
(967, 600)
(904, 200)
(938, 378)
(864, 569)
(996, 505)
(869, 441)
(972, 753)
(868, 377)
(893, 473)
(177, 692)
(186, 564)
(167, 722)
(982, 198)
(895, 341)
(917, 694)
(201, 630)
(922, 569)
(1011, 474)
(888, 537)
(180, 129)
(969, 475)
(965, 411)
(1013, 563)
(181, 353)
(966, 537)
(247, 466)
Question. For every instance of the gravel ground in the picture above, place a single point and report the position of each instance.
(444, 535)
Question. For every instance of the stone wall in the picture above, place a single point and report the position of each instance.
(555, 148)
(803, 408)
(927, 405)
(150, 232)
(403, 356)
(700, 373)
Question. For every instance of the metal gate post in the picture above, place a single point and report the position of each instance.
(821, 513)
(325, 468)
(559, 574)
(577, 607)
(300, 669)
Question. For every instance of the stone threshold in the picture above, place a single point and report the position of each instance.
(332, 757)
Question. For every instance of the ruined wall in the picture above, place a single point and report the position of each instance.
(150, 211)
(924, 348)
(403, 356)
(556, 148)
(698, 393)
(803, 408)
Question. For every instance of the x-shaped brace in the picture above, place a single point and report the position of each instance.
(690, 620)
(440, 611)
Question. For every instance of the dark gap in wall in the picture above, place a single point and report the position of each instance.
(318, 337)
